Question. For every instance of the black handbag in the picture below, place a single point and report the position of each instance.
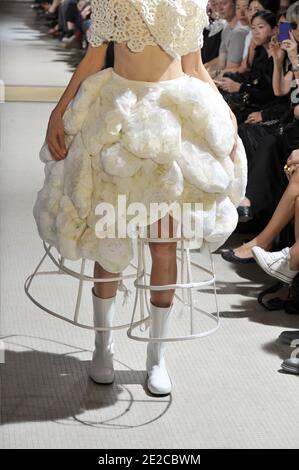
(289, 303)
(237, 101)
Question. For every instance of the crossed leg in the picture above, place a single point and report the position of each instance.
(283, 213)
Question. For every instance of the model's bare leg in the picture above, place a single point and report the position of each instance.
(164, 268)
(281, 217)
(104, 290)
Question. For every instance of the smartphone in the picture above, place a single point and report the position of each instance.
(283, 31)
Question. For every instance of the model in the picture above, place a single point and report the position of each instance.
(153, 128)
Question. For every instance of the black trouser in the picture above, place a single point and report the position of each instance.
(266, 157)
(71, 11)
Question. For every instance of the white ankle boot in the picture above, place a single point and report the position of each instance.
(101, 369)
(158, 382)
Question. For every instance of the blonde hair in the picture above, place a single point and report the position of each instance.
(293, 12)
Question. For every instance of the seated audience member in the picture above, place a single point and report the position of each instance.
(249, 45)
(241, 14)
(284, 264)
(288, 207)
(68, 26)
(249, 92)
(212, 34)
(269, 173)
(266, 146)
(74, 21)
(62, 26)
(286, 58)
(232, 40)
(86, 22)
(285, 4)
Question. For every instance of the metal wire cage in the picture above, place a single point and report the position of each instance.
(184, 289)
(186, 285)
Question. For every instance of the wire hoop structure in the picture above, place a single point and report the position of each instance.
(186, 285)
(187, 298)
(82, 277)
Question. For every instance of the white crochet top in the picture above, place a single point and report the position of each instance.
(175, 25)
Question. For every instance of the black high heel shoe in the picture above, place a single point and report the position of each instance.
(230, 256)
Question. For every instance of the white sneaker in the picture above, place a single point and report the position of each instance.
(291, 365)
(275, 264)
(68, 38)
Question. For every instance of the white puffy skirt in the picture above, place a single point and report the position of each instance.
(166, 141)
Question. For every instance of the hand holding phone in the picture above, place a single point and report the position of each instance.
(284, 29)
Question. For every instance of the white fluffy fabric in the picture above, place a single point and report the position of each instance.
(154, 142)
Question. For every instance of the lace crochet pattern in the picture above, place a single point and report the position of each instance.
(174, 25)
(118, 20)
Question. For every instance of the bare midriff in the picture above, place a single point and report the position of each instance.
(150, 65)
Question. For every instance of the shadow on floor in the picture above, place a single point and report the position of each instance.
(44, 386)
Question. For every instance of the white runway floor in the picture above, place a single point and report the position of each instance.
(228, 391)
